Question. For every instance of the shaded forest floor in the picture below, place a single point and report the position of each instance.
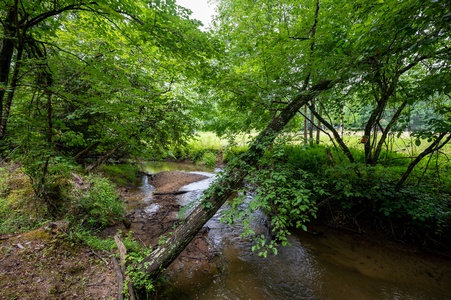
(44, 264)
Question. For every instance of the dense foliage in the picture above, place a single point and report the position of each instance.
(86, 82)
(388, 63)
(83, 83)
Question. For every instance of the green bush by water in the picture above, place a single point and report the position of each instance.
(209, 159)
(99, 205)
(421, 207)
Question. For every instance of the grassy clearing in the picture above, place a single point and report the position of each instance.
(206, 147)
(406, 145)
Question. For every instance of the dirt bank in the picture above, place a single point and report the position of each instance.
(46, 264)
(43, 264)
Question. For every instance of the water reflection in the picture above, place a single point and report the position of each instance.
(326, 267)
(334, 265)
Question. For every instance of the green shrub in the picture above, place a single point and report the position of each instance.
(209, 159)
(312, 159)
(295, 176)
(120, 174)
(99, 205)
(234, 152)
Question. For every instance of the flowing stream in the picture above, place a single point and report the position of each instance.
(333, 265)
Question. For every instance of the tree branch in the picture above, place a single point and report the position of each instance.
(435, 145)
(38, 19)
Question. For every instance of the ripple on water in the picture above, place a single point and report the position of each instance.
(151, 209)
(330, 266)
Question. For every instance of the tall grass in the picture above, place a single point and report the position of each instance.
(206, 148)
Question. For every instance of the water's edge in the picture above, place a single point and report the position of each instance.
(331, 265)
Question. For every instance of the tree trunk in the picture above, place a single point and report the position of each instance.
(318, 128)
(387, 129)
(12, 89)
(6, 105)
(335, 133)
(224, 186)
(6, 55)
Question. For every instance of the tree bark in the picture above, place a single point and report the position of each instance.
(387, 129)
(223, 187)
(6, 54)
(312, 121)
(6, 57)
(9, 99)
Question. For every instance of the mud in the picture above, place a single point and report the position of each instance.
(152, 219)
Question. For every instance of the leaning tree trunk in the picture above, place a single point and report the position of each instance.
(335, 133)
(222, 189)
(434, 146)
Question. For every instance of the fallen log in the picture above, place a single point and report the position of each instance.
(170, 193)
(120, 279)
(227, 184)
(122, 261)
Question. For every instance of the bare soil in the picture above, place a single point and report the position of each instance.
(41, 264)
(46, 264)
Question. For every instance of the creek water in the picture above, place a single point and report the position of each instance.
(331, 265)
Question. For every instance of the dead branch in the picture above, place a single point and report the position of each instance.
(120, 279)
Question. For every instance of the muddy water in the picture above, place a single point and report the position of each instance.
(333, 265)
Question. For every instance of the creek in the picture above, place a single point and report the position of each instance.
(330, 265)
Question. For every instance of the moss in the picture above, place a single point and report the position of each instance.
(38, 234)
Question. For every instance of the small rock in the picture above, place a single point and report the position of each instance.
(127, 222)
